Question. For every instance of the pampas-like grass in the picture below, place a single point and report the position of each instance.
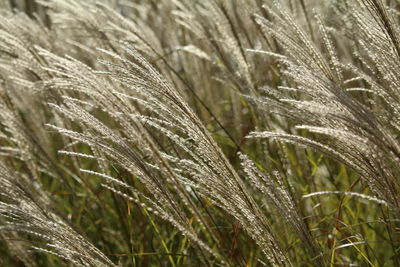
(199, 133)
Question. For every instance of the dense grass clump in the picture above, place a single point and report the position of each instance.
(199, 133)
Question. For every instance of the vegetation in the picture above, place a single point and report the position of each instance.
(199, 133)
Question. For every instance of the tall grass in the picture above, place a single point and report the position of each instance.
(199, 133)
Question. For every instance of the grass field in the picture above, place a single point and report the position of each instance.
(199, 133)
